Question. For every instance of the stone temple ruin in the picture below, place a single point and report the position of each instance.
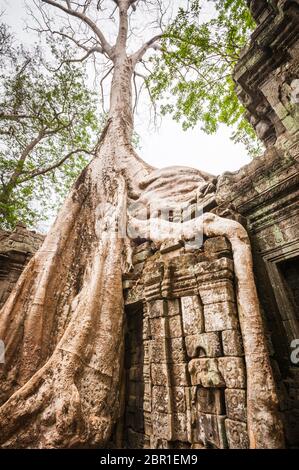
(185, 369)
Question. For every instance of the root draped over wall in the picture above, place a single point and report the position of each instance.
(264, 424)
(63, 324)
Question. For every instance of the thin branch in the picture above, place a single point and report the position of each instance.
(14, 117)
(75, 41)
(144, 78)
(137, 56)
(45, 170)
(101, 86)
(136, 93)
(84, 57)
(104, 43)
(28, 149)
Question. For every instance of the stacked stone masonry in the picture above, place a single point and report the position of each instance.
(16, 248)
(185, 370)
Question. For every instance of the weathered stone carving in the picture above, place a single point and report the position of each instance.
(198, 374)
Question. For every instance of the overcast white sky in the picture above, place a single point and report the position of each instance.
(169, 145)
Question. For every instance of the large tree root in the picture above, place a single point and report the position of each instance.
(63, 324)
(63, 330)
(264, 424)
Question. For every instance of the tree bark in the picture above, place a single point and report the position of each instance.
(63, 323)
(64, 340)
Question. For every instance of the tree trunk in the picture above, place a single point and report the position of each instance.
(63, 324)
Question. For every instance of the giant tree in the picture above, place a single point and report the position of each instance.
(63, 324)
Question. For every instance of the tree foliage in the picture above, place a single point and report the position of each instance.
(192, 78)
(48, 128)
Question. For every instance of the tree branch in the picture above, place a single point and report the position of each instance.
(90, 50)
(77, 14)
(49, 168)
(137, 56)
(85, 56)
(121, 41)
(14, 117)
(102, 88)
(28, 149)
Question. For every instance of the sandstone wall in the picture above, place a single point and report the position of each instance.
(266, 192)
(16, 248)
(185, 370)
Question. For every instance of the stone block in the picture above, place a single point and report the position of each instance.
(192, 315)
(204, 344)
(157, 442)
(177, 350)
(146, 401)
(210, 430)
(157, 327)
(209, 400)
(217, 245)
(233, 371)
(180, 399)
(170, 246)
(134, 294)
(173, 307)
(146, 352)
(235, 401)
(174, 326)
(146, 373)
(168, 350)
(180, 427)
(169, 327)
(142, 247)
(128, 284)
(220, 291)
(236, 433)
(178, 374)
(220, 316)
(232, 343)
(161, 399)
(148, 429)
(159, 350)
(142, 255)
(197, 445)
(159, 374)
(290, 124)
(146, 330)
(209, 273)
(156, 308)
(205, 372)
(162, 425)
